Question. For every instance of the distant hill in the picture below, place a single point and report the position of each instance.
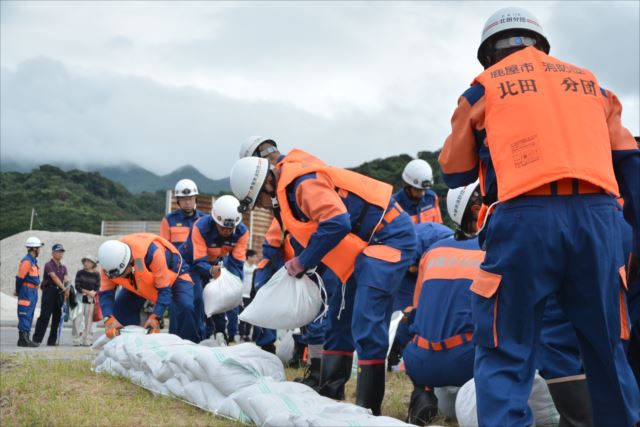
(74, 200)
(136, 179)
(70, 201)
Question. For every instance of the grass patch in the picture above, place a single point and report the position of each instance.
(36, 391)
(58, 389)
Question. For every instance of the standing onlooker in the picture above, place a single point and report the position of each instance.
(27, 282)
(247, 283)
(53, 293)
(88, 284)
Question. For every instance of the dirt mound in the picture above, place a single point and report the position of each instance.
(77, 245)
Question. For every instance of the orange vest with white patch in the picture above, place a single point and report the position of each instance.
(545, 120)
(142, 282)
(341, 259)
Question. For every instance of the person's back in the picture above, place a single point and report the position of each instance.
(442, 300)
(550, 150)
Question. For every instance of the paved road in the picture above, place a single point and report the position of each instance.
(9, 340)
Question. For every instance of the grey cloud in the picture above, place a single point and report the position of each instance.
(604, 38)
(53, 113)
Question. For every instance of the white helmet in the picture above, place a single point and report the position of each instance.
(510, 18)
(33, 242)
(457, 201)
(186, 188)
(417, 173)
(225, 212)
(114, 256)
(247, 178)
(251, 144)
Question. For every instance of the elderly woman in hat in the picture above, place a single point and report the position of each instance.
(88, 284)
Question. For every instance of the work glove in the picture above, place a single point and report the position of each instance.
(152, 325)
(112, 327)
(294, 267)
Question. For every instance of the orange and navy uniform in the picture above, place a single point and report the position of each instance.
(427, 209)
(547, 143)
(157, 266)
(315, 198)
(441, 350)
(27, 282)
(442, 299)
(469, 152)
(276, 250)
(28, 273)
(206, 247)
(176, 225)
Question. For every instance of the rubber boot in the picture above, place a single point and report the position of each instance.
(270, 348)
(395, 354)
(423, 406)
(335, 371)
(297, 360)
(311, 374)
(370, 387)
(572, 403)
(24, 341)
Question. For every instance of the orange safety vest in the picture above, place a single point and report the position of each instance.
(341, 259)
(545, 120)
(277, 238)
(142, 283)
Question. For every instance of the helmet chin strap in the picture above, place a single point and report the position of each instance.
(275, 205)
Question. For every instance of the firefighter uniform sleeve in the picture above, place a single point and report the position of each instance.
(459, 157)
(23, 270)
(235, 260)
(161, 279)
(198, 247)
(437, 208)
(626, 164)
(317, 199)
(165, 230)
(107, 294)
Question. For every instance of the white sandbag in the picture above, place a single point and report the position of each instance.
(131, 329)
(213, 396)
(175, 388)
(210, 342)
(447, 400)
(230, 409)
(396, 317)
(544, 411)
(194, 394)
(222, 294)
(285, 347)
(285, 302)
(267, 398)
(232, 368)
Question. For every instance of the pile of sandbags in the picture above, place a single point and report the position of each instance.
(241, 382)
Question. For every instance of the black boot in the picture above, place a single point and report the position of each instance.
(297, 360)
(271, 348)
(370, 387)
(335, 371)
(423, 406)
(395, 354)
(572, 402)
(311, 374)
(24, 341)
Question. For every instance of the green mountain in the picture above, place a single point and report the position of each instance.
(136, 179)
(75, 200)
(70, 201)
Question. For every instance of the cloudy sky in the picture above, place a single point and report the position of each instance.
(164, 84)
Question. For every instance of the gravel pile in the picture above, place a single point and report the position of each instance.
(77, 245)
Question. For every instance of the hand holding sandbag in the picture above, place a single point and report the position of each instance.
(285, 302)
(222, 294)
